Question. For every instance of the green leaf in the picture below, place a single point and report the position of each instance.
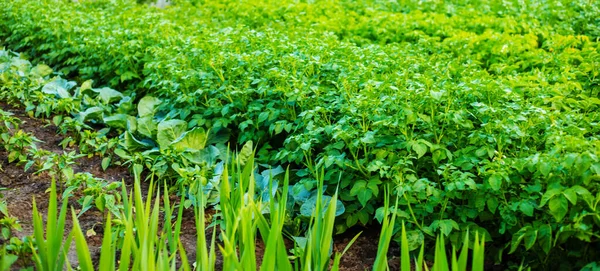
(107, 252)
(147, 126)
(358, 186)
(550, 193)
(116, 121)
(545, 168)
(91, 113)
(194, 139)
(571, 195)
(364, 196)
(108, 95)
(131, 143)
(559, 207)
(147, 106)
(59, 87)
(369, 138)
(309, 206)
(263, 116)
(445, 225)
(87, 85)
(526, 207)
(419, 148)
(529, 238)
(415, 239)
(492, 204)
(437, 95)
(206, 155)
(105, 163)
(517, 238)
(495, 182)
(245, 153)
(169, 131)
(41, 70)
(545, 237)
(83, 252)
(100, 203)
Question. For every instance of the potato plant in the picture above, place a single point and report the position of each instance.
(481, 115)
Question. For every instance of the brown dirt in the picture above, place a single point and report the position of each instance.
(23, 186)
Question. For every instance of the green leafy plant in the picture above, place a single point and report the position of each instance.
(49, 248)
(60, 166)
(9, 249)
(18, 145)
(481, 114)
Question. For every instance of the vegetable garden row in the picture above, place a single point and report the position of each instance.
(474, 116)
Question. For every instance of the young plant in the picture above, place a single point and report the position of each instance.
(49, 249)
(8, 224)
(18, 145)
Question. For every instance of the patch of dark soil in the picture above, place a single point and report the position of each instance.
(361, 255)
(22, 187)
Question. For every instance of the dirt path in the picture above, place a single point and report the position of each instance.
(23, 186)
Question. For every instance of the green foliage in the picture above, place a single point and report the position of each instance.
(50, 250)
(18, 145)
(480, 114)
(10, 247)
(144, 244)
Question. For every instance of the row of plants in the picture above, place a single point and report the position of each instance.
(140, 241)
(485, 122)
(194, 156)
(10, 245)
(143, 243)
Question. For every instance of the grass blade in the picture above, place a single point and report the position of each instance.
(83, 254)
(107, 256)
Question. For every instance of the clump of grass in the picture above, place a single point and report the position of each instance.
(51, 251)
(144, 245)
(441, 261)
